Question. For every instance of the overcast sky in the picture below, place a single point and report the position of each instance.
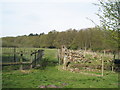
(22, 17)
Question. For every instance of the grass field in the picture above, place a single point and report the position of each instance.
(50, 75)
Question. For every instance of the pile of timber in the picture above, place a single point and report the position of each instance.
(77, 56)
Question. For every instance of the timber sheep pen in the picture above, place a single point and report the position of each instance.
(87, 62)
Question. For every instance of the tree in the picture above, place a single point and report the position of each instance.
(109, 14)
(31, 34)
(41, 34)
(51, 38)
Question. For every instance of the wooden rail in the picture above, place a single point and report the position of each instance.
(15, 63)
(33, 62)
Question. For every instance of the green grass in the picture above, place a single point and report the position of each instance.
(50, 54)
(50, 75)
(53, 76)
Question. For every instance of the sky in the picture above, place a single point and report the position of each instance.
(22, 17)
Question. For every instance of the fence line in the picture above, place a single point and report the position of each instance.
(88, 59)
(34, 60)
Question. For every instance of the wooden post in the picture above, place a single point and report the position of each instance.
(102, 65)
(31, 60)
(62, 54)
(65, 62)
(113, 62)
(104, 52)
(14, 54)
(58, 55)
(38, 57)
(21, 58)
(112, 67)
(35, 58)
(85, 52)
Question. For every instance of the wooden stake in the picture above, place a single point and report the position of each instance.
(58, 56)
(14, 54)
(31, 60)
(35, 58)
(104, 52)
(102, 65)
(21, 57)
(113, 62)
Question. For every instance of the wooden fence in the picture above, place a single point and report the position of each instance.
(34, 60)
(85, 61)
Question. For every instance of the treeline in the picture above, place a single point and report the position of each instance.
(90, 38)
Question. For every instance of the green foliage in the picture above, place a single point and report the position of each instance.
(90, 38)
(74, 47)
(109, 14)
